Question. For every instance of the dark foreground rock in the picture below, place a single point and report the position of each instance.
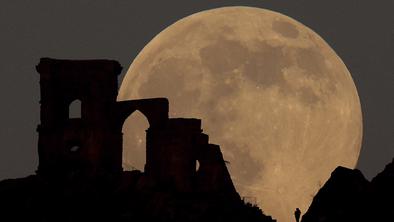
(124, 198)
(348, 196)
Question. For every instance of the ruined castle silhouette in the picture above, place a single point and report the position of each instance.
(91, 145)
(80, 175)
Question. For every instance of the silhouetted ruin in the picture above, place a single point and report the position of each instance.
(173, 145)
(80, 175)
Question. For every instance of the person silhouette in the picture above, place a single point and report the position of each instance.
(297, 214)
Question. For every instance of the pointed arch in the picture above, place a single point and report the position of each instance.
(134, 141)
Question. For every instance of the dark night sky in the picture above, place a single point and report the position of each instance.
(361, 32)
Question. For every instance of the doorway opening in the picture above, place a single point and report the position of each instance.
(134, 142)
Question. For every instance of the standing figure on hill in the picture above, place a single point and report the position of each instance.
(297, 214)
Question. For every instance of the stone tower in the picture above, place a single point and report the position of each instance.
(92, 143)
(88, 144)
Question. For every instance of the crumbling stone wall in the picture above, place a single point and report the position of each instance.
(92, 144)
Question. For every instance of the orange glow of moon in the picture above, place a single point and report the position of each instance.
(270, 91)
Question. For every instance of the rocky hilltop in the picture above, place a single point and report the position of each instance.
(126, 197)
(348, 196)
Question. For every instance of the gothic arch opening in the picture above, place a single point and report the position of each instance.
(75, 109)
(134, 141)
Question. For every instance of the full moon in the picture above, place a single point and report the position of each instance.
(270, 91)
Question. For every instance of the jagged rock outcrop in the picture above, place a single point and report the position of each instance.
(383, 194)
(348, 196)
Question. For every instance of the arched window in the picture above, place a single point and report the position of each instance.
(74, 110)
(134, 141)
